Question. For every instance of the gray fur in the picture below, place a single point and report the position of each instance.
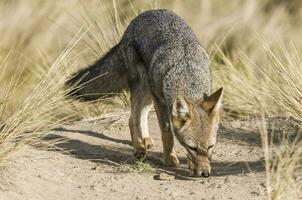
(173, 59)
(176, 63)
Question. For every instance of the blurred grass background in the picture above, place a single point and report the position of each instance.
(254, 45)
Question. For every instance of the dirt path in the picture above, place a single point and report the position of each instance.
(97, 168)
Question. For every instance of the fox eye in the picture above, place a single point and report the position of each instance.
(211, 146)
(192, 148)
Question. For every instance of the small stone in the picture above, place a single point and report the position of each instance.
(226, 180)
(213, 185)
(255, 193)
(92, 187)
(263, 185)
(96, 168)
(163, 177)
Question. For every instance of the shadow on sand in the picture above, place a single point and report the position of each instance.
(111, 155)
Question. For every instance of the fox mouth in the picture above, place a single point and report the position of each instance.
(195, 167)
(199, 160)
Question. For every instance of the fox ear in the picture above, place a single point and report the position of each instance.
(180, 111)
(213, 102)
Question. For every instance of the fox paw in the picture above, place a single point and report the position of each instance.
(140, 149)
(148, 142)
(171, 161)
(140, 155)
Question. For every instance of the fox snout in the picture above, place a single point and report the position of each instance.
(201, 167)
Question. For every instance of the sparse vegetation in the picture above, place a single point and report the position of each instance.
(255, 47)
(137, 167)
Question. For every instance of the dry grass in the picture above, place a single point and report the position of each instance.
(255, 47)
(135, 166)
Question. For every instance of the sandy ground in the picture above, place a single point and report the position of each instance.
(96, 166)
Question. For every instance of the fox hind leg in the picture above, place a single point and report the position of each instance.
(141, 103)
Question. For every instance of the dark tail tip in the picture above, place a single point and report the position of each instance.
(73, 86)
(76, 87)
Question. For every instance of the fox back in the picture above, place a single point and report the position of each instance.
(175, 61)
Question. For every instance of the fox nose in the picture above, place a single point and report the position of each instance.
(202, 166)
(205, 174)
(201, 173)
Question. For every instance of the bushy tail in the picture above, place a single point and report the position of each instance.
(105, 77)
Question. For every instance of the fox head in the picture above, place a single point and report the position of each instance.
(195, 126)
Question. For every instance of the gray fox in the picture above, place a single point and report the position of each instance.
(160, 60)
